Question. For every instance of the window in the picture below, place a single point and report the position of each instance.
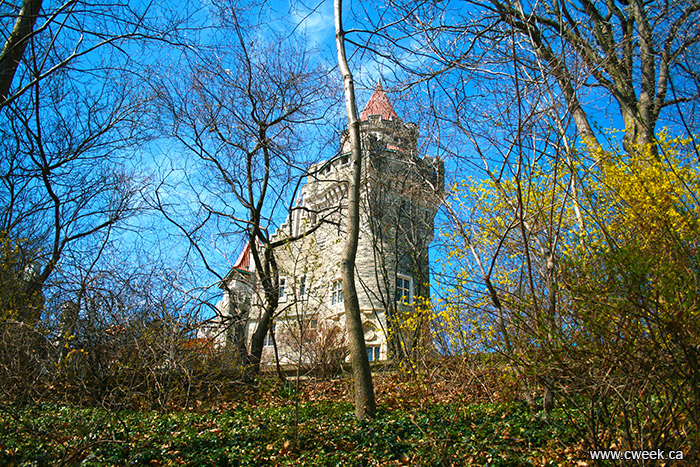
(336, 292)
(373, 353)
(309, 328)
(302, 287)
(282, 284)
(404, 294)
(268, 337)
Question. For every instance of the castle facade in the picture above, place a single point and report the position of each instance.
(400, 195)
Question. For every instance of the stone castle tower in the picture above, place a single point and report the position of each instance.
(400, 195)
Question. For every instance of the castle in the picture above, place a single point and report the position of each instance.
(400, 195)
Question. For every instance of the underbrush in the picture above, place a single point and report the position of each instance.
(314, 433)
(451, 414)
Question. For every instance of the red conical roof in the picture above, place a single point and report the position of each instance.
(243, 262)
(378, 105)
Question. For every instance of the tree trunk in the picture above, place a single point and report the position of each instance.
(235, 331)
(365, 405)
(268, 276)
(14, 46)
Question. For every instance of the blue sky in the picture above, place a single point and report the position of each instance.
(312, 24)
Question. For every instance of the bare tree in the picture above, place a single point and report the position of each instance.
(71, 34)
(69, 133)
(74, 118)
(640, 55)
(15, 44)
(365, 404)
(630, 49)
(243, 113)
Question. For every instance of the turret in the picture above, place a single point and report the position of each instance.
(381, 128)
